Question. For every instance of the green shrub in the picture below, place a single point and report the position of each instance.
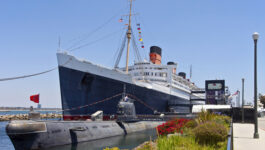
(181, 143)
(210, 133)
(225, 120)
(147, 146)
(191, 124)
(205, 116)
(113, 148)
(222, 145)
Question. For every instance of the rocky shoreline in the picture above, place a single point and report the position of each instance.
(26, 116)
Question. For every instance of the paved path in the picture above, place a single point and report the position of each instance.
(243, 136)
(262, 123)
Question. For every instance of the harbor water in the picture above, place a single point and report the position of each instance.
(124, 142)
(5, 143)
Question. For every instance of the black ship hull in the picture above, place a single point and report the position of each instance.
(84, 93)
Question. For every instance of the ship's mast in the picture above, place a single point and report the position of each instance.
(129, 35)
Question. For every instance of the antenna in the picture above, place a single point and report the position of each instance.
(190, 71)
(124, 91)
(59, 43)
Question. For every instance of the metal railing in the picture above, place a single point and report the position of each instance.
(230, 142)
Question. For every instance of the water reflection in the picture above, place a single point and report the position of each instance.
(124, 142)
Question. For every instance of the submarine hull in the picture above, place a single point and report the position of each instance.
(44, 134)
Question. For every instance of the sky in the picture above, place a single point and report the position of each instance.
(213, 36)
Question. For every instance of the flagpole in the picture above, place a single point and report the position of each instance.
(39, 101)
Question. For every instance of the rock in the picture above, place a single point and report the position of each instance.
(175, 134)
(26, 116)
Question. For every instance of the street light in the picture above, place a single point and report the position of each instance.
(243, 115)
(255, 37)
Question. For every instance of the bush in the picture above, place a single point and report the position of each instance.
(205, 116)
(210, 133)
(181, 143)
(172, 126)
(191, 124)
(146, 146)
(113, 148)
(224, 120)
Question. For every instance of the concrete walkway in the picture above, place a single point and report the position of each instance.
(243, 137)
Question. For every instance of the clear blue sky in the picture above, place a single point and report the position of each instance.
(212, 35)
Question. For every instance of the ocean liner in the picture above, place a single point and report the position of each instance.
(156, 88)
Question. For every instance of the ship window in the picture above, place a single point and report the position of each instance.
(146, 73)
(152, 74)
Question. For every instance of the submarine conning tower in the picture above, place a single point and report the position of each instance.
(155, 55)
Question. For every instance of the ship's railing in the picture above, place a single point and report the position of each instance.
(182, 81)
(180, 85)
(139, 118)
(198, 91)
(162, 74)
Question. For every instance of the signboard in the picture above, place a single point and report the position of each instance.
(215, 91)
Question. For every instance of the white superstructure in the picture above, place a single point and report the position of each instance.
(161, 78)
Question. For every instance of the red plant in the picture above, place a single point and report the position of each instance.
(172, 126)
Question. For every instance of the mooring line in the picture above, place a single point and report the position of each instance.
(35, 74)
(137, 99)
(79, 107)
(106, 99)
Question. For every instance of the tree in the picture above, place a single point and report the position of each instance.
(262, 99)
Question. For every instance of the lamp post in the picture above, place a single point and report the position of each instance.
(255, 37)
(243, 115)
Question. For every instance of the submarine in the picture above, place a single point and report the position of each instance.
(45, 134)
(42, 134)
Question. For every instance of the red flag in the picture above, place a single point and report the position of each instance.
(235, 93)
(35, 98)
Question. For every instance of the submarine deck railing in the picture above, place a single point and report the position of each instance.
(167, 116)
